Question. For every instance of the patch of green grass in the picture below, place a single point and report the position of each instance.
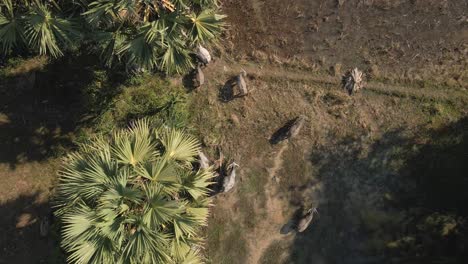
(147, 96)
(438, 113)
(18, 66)
(226, 242)
(254, 182)
(204, 118)
(423, 83)
(273, 254)
(247, 210)
(294, 173)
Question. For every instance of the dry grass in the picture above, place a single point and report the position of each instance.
(334, 120)
(22, 67)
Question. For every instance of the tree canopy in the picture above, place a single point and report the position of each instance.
(134, 198)
(148, 34)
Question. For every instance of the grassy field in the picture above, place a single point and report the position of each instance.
(386, 167)
(359, 159)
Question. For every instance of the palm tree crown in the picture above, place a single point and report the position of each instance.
(134, 198)
(148, 34)
(34, 24)
(153, 34)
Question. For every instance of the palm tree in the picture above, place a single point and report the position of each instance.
(153, 34)
(149, 34)
(134, 198)
(35, 25)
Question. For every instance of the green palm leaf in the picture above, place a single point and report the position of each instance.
(82, 254)
(145, 246)
(133, 198)
(102, 10)
(110, 45)
(179, 146)
(198, 210)
(179, 249)
(142, 53)
(47, 32)
(192, 257)
(196, 184)
(159, 209)
(155, 31)
(134, 145)
(163, 174)
(175, 58)
(184, 226)
(206, 25)
(85, 177)
(77, 225)
(120, 192)
(11, 29)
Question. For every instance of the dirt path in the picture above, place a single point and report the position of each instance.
(274, 218)
(278, 73)
(257, 7)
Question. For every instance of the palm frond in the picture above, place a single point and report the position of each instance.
(206, 26)
(134, 145)
(11, 28)
(82, 253)
(159, 209)
(85, 177)
(145, 246)
(179, 146)
(155, 31)
(48, 33)
(179, 249)
(142, 53)
(158, 171)
(77, 225)
(193, 256)
(110, 45)
(175, 57)
(102, 10)
(184, 226)
(196, 184)
(198, 209)
(121, 192)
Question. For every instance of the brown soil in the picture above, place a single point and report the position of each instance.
(394, 35)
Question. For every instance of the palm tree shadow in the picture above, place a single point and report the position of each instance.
(38, 120)
(20, 241)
